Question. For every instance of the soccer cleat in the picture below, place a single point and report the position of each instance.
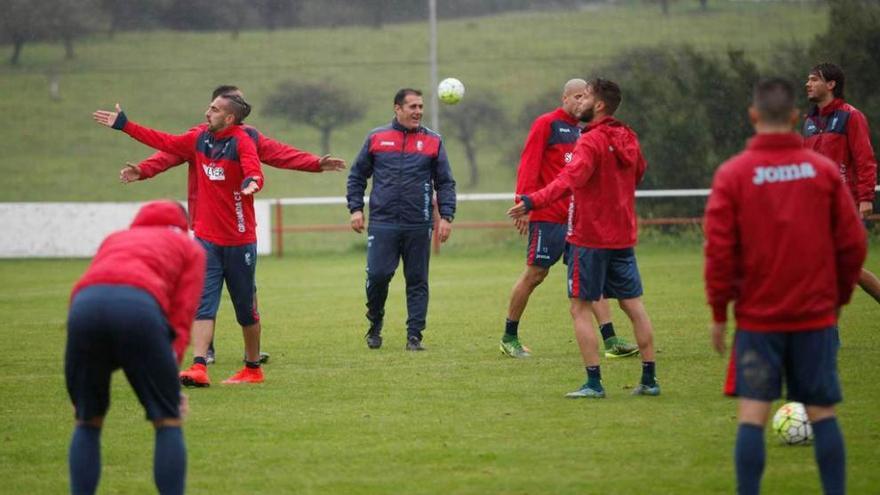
(209, 356)
(586, 392)
(514, 348)
(414, 344)
(616, 347)
(374, 333)
(195, 376)
(374, 337)
(246, 375)
(650, 390)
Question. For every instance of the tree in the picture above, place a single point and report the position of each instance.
(476, 120)
(67, 20)
(19, 24)
(322, 106)
(51, 20)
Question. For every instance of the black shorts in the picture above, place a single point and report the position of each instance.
(594, 273)
(805, 360)
(118, 326)
(546, 243)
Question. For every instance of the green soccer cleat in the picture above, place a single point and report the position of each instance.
(649, 390)
(514, 348)
(585, 392)
(616, 347)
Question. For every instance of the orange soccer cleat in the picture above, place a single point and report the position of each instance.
(246, 375)
(195, 376)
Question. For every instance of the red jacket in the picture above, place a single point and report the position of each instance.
(783, 238)
(840, 132)
(603, 174)
(155, 255)
(547, 149)
(223, 161)
(271, 152)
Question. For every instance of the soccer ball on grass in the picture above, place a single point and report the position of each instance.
(450, 91)
(791, 425)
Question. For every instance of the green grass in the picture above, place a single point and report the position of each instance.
(334, 417)
(53, 151)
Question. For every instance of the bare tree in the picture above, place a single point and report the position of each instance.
(476, 120)
(20, 23)
(322, 106)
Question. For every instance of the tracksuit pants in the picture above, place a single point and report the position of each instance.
(386, 245)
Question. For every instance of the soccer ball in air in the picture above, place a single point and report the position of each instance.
(791, 425)
(450, 91)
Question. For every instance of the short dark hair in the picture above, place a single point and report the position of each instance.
(240, 108)
(222, 90)
(608, 92)
(773, 98)
(401, 95)
(831, 72)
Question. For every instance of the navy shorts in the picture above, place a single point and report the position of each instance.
(594, 273)
(807, 360)
(118, 326)
(237, 265)
(546, 243)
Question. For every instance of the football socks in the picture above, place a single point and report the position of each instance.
(830, 455)
(749, 456)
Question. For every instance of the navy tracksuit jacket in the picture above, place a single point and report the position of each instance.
(407, 166)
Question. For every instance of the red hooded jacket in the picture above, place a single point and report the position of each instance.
(271, 152)
(603, 174)
(155, 255)
(840, 132)
(783, 238)
(548, 147)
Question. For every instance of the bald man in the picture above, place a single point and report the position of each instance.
(548, 147)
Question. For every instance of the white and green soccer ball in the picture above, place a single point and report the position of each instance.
(791, 424)
(450, 91)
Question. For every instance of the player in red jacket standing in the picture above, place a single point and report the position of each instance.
(132, 309)
(602, 178)
(839, 131)
(271, 152)
(224, 222)
(549, 147)
(784, 243)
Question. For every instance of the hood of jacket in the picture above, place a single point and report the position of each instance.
(623, 141)
(164, 213)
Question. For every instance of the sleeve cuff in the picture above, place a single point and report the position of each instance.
(530, 205)
(248, 181)
(121, 120)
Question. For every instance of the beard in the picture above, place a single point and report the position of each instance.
(814, 99)
(586, 115)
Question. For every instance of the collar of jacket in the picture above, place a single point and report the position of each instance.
(606, 120)
(398, 126)
(563, 115)
(829, 108)
(776, 140)
(225, 133)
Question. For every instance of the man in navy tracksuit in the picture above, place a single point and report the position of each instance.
(407, 163)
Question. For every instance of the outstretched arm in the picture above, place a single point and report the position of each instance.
(182, 145)
(280, 155)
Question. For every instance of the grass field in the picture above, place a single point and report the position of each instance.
(52, 150)
(334, 417)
